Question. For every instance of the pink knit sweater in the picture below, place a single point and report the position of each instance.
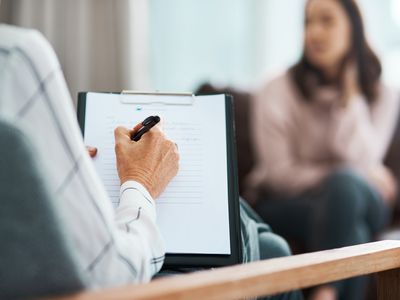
(298, 143)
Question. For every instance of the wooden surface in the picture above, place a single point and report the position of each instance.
(389, 285)
(269, 277)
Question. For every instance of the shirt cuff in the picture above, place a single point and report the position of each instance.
(134, 185)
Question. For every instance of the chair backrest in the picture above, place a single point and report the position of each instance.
(35, 259)
(392, 161)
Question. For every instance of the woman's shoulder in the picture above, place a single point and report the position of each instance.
(278, 83)
(387, 90)
(278, 91)
(388, 95)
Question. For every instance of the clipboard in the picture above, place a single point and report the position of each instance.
(185, 102)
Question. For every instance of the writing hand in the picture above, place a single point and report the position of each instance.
(153, 161)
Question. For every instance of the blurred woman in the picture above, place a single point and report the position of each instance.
(320, 132)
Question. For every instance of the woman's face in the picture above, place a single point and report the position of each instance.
(327, 34)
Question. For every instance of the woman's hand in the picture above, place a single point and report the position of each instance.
(351, 86)
(383, 179)
(153, 161)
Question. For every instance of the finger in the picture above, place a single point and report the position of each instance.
(92, 151)
(155, 133)
(158, 128)
(136, 128)
(122, 134)
(160, 124)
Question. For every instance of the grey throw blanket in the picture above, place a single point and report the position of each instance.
(34, 256)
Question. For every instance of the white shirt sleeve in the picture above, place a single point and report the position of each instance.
(136, 215)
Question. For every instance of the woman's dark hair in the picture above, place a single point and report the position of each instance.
(367, 63)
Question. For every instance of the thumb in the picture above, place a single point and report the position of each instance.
(122, 134)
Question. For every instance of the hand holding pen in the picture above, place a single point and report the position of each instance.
(153, 161)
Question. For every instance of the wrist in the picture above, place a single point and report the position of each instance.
(140, 176)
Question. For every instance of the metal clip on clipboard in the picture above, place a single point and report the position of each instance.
(166, 99)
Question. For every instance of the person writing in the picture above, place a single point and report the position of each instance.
(321, 131)
(111, 247)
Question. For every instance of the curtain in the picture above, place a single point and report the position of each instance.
(102, 44)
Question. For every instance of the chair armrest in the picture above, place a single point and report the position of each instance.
(267, 277)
